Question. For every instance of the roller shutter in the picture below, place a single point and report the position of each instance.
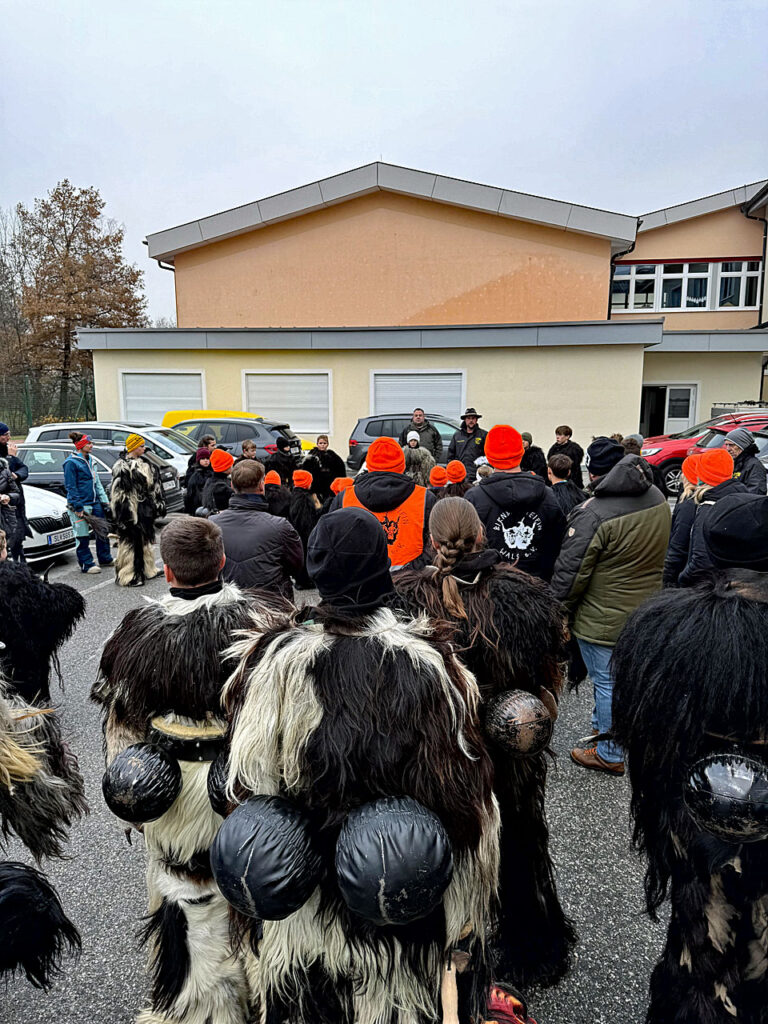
(402, 392)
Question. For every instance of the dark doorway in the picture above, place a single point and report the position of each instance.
(653, 405)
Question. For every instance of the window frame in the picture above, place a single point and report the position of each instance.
(315, 371)
(156, 371)
(426, 370)
(713, 275)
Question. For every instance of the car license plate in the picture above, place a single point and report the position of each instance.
(168, 485)
(60, 535)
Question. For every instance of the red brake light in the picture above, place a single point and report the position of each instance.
(352, 442)
(271, 448)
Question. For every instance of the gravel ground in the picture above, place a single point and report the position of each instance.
(101, 884)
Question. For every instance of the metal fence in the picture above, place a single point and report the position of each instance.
(28, 399)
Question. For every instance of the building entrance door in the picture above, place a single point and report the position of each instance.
(667, 408)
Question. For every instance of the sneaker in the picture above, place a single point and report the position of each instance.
(588, 757)
(107, 565)
(92, 571)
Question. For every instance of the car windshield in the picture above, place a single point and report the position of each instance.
(713, 439)
(700, 428)
(172, 439)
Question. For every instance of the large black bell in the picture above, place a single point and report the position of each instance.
(727, 794)
(141, 783)
(393, 861)
(518, 723)
(263, 858)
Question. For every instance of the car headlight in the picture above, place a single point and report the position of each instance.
(645, 452)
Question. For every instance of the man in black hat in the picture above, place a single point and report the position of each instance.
(468, 444)
(334, 708)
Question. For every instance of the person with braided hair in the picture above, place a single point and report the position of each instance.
(512, 635)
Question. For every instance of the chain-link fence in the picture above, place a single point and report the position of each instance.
(28, 399)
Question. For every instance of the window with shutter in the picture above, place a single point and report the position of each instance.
(147, 397)
(303, 400)
(441, 393)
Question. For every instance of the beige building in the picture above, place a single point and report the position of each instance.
(384, 288)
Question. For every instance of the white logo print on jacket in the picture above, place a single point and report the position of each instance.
(518, 536)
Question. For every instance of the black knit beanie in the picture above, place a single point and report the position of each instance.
(736, 532)
(347, 558)
(603, 454)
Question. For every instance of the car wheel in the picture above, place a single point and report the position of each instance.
(671, 473)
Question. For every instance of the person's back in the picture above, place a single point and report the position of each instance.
(564, 490)
(521, 518)
(277, 495)
(715, 469)
(263, 551)
(217, 490)
(401, 506)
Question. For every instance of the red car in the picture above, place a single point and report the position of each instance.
(667, 451)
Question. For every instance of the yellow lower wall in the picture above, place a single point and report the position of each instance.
(720, 376)
(595, 389)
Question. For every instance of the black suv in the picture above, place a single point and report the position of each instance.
(45, 460)
(230, 434)
(392, 424)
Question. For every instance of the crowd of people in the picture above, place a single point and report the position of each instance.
(342, 803)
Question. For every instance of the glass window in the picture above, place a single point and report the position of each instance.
(674, 268)
(698, 268)
(679, 403)
(49, 460)
(671, 293)
(645, 269)
(446, 430)
(730, 268)
(620, 295)
(753, 265)
(373, 428)
(750, 291)
(179, 445)
(644, 293)
(697, 292)
(730, 288)
(622, 270)
(188, 429)
(244, 432)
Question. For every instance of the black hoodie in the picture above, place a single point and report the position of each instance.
(384, 492)
(748, 469)
(522, 520)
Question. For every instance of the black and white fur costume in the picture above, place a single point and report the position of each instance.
(690, 680)
(137, 500)
(38, 801)
(164, 664)
(332, 712)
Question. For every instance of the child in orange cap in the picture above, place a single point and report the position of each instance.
(457, 485)
(438, 478)
(303, 514)
(715, 471)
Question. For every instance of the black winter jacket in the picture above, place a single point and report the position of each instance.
(534, 462)
(575, 453)
(384, 492)
(217, 492)
(679, 540)
(467, 448)
(567, 495)
(429, 438)
(750, 470)
(262, 550)
(325, 469)
(284, 465)
(278, 498)
(197, 478)
(522, 520)
(699, 563)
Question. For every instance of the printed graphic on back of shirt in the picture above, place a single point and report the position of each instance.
(519, 535)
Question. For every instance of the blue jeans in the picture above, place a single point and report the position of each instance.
(103, 550)
(598, 661)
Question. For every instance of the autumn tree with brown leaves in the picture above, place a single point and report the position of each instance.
(62, 267)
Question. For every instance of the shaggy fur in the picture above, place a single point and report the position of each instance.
(40, 810)
(303, 514)
(333, 715)
(513, 638)
(36, 933)
(166, 660)
(137, 500)
(689, 664)
(38, 617)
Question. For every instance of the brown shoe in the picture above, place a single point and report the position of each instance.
(588, 757)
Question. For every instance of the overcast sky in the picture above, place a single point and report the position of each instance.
(181, 108)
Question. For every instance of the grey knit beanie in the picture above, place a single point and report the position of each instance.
(741, 437)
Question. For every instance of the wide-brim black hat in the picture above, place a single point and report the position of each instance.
(471, 412)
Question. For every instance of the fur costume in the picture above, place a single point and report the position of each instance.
(690, 681)
(137, 501)
(419, 463)
(37, 618)
(37, 803)
(324, 466)
(513, 638)
(332, 712)
(164, 663)
(303, 514)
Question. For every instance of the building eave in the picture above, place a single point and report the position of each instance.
(619, 228)
(733, 197)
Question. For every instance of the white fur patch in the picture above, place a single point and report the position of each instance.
(191, 824)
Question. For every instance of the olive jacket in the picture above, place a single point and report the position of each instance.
(612, 555)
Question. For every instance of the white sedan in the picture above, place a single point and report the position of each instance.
(52, 532)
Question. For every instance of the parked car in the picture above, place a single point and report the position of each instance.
(52, 533)
(667, 451)
(171, 447)
(392, 424)
(715, 437)
(230, 433)
(46, 468)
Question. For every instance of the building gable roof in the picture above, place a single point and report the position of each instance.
(740, 196)
(382, 177)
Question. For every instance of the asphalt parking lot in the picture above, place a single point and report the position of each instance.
(101, 884)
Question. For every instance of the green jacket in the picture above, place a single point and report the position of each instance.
(612, 556)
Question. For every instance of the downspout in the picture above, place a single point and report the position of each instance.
(617, 256)
(764, 221)
(163, 266)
